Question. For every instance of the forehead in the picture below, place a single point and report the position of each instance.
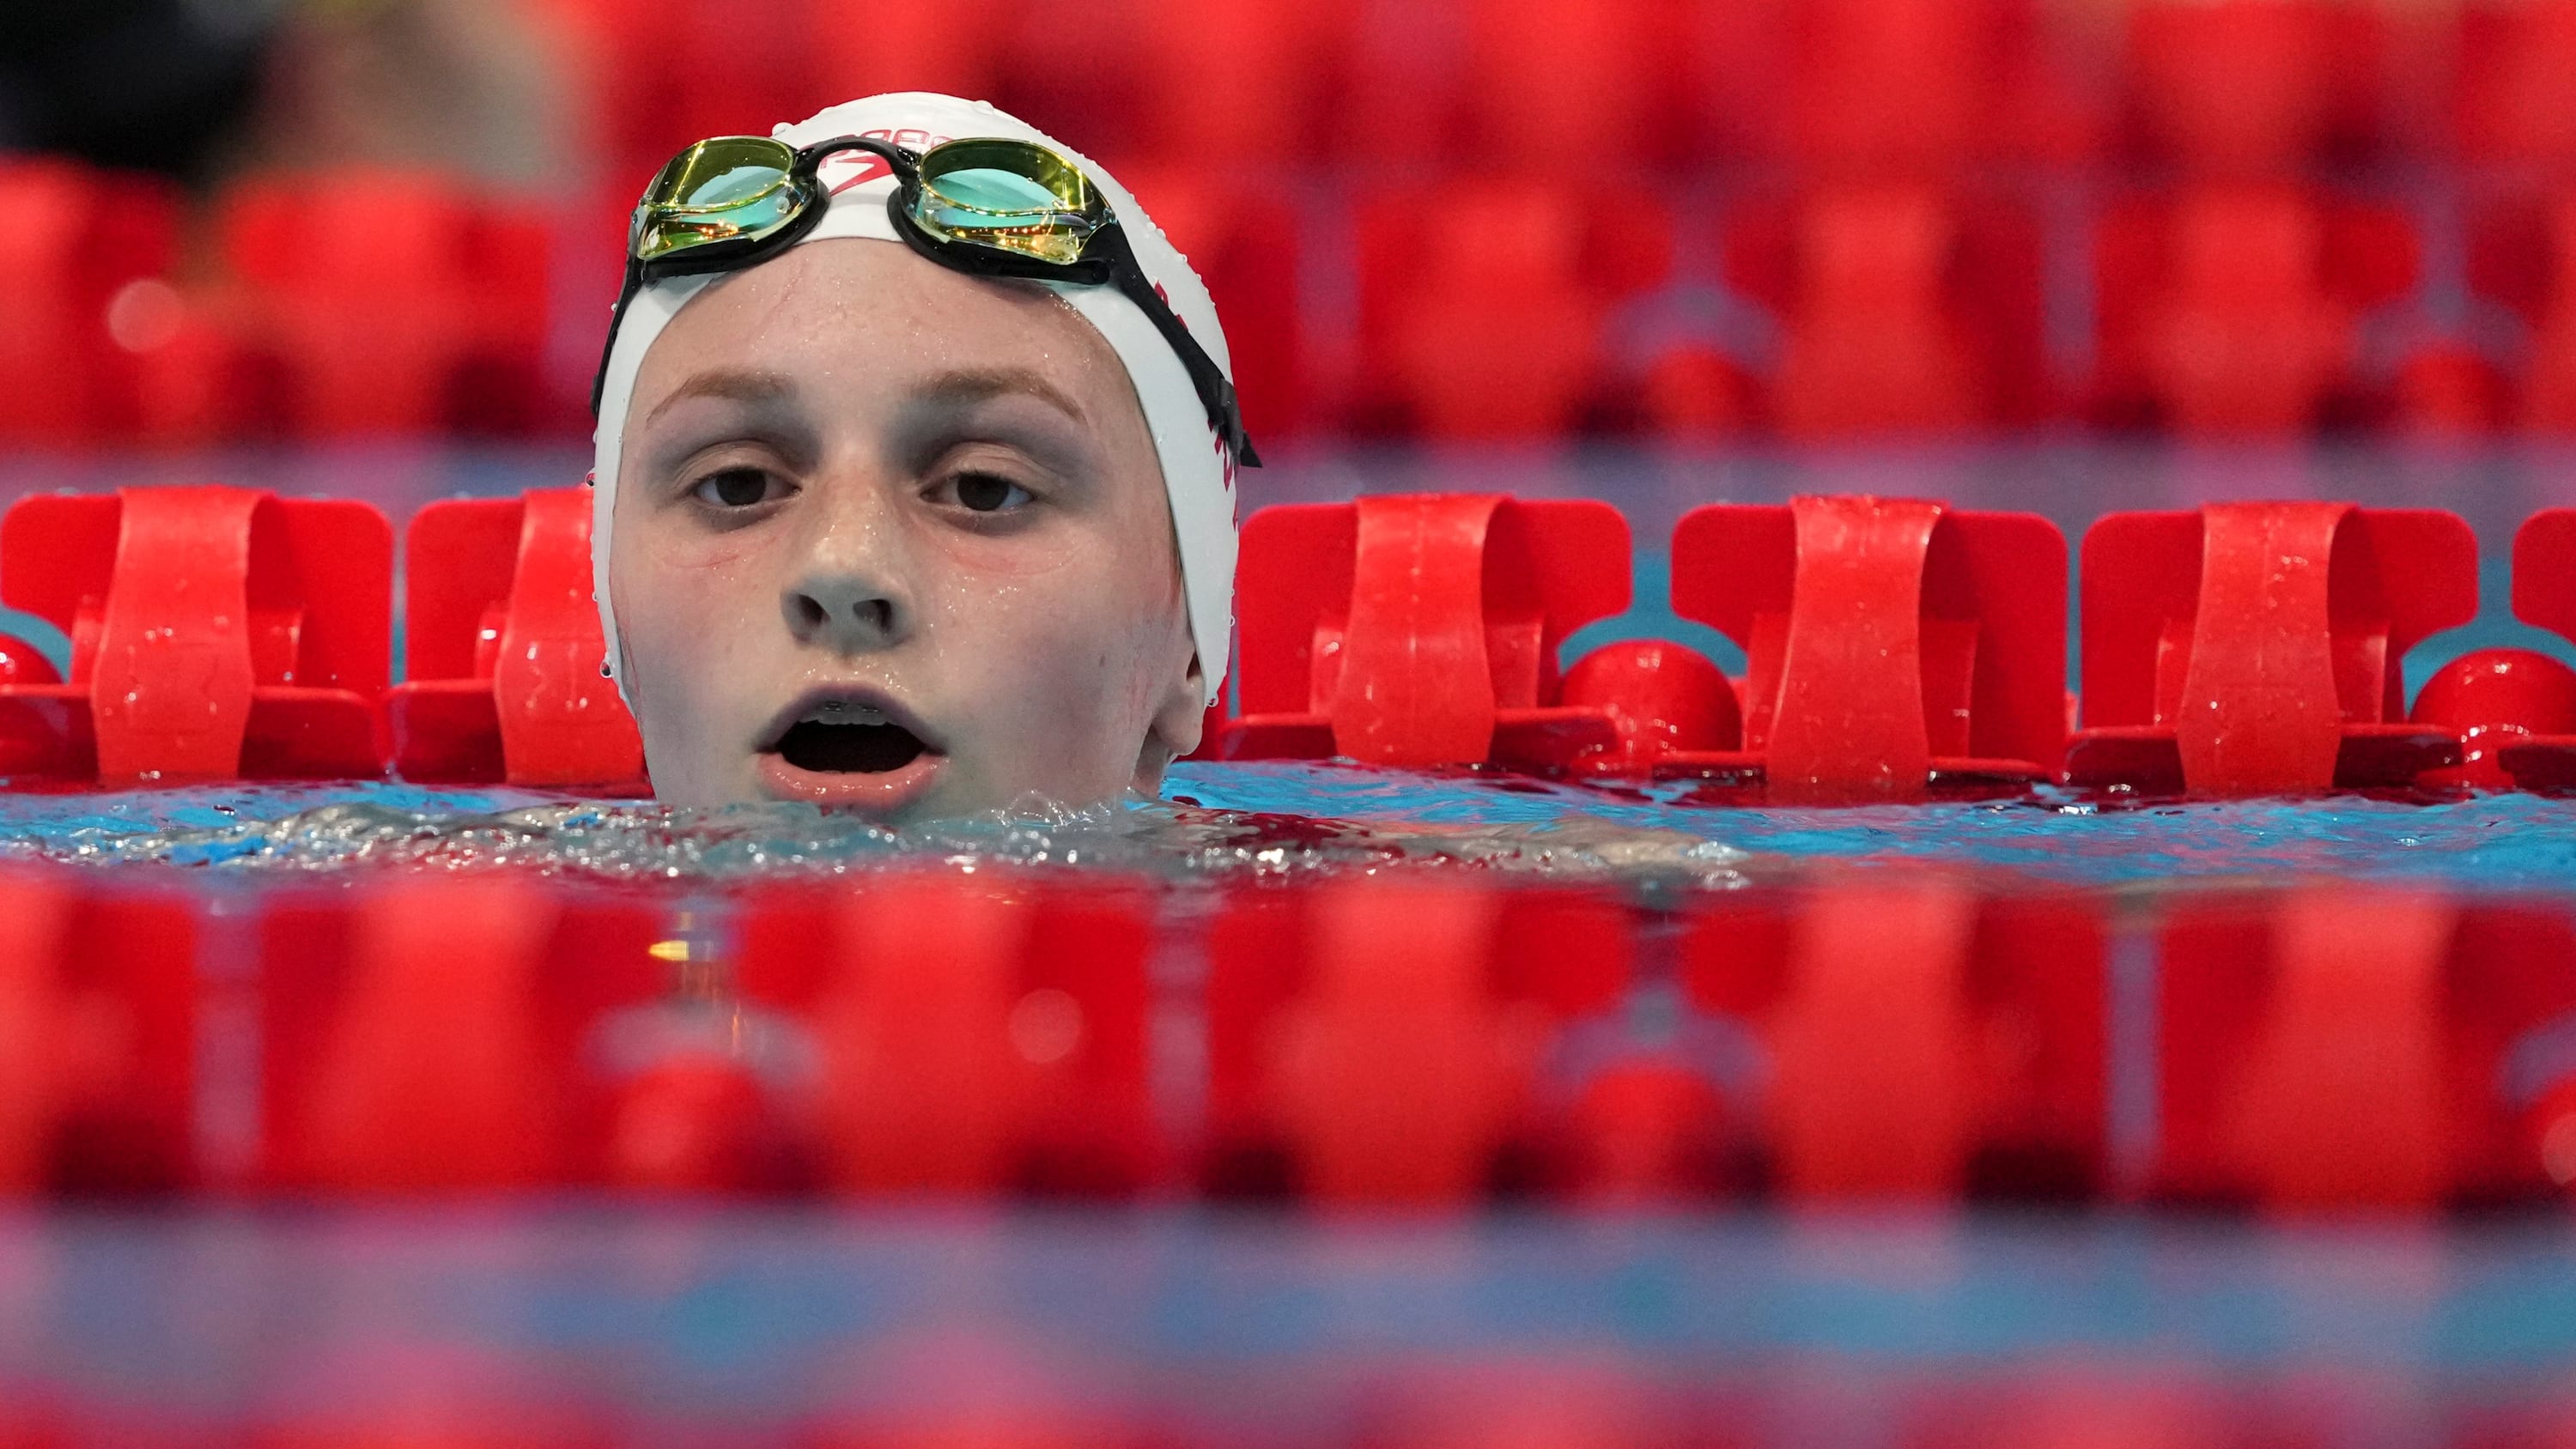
(851, 313)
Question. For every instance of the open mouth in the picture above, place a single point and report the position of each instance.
(849, 737)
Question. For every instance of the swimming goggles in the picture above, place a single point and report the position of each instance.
(985, 206)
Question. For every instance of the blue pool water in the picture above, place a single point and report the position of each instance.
(1246, 819)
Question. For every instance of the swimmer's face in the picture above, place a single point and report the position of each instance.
(894, 539)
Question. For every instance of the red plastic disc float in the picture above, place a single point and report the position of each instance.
(2255, 648)
(503, 651)
(1889, 643)
(1920, 1041)
(1421, 629)
(2544, 594)
(2327, 1050)
(217, 634)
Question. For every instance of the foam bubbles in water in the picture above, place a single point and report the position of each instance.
(268, 830)
(1235, 820)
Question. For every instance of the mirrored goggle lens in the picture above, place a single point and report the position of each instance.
(1010, 195)
(732, 186)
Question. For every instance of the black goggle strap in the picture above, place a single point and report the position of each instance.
(633, 284)
(1216, 394)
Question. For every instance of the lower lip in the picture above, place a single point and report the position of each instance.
(884, 792)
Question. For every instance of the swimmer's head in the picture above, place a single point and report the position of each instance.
(880, 534)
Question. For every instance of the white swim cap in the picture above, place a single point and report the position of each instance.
(1198, 470)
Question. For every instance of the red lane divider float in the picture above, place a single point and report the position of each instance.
(2255, 648)
(217, 634)
(2320, 1050)
(1378, 1042)
(2521, 712)
(98, 1037)
(1421, 629)
(1890, 643)
(1417, 1042)
(1895, 648)
(503, 651)
(436, 1034)
(1920, 1041)
(969, 1035)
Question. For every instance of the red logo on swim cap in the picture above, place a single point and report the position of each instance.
(845, 169)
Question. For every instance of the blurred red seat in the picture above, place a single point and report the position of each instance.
(1871, 347)
(1499, 340)
(1246, 242)
(2549, 383)
(1230, 84)
(78, 242)
(957, 47)
(1892, 85)
(651, 76)
(1907, 307)
(1589, 82)
(2232, 309)
(2516, 82)
(2245, 86)
(387, 301)
(2522, 256)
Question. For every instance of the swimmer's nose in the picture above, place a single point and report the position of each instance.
(846, 610)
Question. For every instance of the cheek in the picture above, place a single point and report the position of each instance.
(678, 597)
(988, 560)
(1084, 640)
(685, 610)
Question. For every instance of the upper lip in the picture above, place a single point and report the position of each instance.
(853, 697)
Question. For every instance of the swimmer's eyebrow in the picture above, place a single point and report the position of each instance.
(735, 384)
(962, 389)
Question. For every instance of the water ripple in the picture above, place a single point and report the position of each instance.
(1229, 820)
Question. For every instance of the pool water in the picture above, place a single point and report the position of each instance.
(1220, 821)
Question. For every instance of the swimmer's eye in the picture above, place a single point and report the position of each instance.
(737, 488)
(985, 493)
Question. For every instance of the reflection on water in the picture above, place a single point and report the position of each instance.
(1223, 820)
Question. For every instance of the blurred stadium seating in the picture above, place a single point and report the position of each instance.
(1492, 220)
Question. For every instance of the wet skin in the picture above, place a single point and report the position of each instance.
(857, 486)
